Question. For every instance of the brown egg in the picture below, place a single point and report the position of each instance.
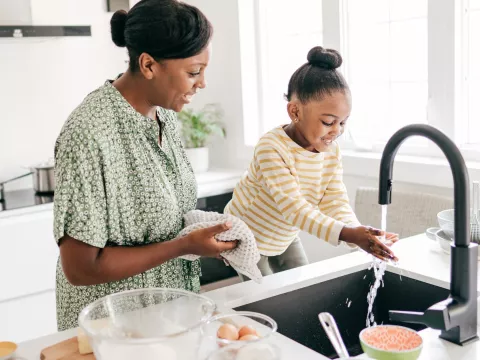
(249, 337)
(227, 332)
(247, 330)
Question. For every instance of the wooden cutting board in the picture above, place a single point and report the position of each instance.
(65, 350)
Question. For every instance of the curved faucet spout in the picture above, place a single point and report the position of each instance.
(456, 316)
(457, 165)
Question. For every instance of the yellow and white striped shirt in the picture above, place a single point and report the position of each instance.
(288, 189)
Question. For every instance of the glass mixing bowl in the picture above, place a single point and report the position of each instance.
(147, 324)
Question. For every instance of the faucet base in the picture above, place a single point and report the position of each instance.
(454, 336)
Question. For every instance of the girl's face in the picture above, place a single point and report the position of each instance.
(319, 123)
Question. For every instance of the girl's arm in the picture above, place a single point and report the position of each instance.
(335, 202)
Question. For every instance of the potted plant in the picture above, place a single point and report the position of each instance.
(197, 128)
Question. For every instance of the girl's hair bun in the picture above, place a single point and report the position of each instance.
(328, 59)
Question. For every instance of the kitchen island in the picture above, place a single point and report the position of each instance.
(421, 260)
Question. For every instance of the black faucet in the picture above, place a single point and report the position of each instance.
(456, 316)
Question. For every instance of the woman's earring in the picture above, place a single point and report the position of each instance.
(296, 120)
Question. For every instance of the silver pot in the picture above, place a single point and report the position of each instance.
(43, 178)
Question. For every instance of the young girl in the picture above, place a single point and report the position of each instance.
(295, 179)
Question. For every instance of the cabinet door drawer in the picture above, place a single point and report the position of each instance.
(28, 317)
(214, 203)
(28, 254)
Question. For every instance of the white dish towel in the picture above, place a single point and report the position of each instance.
(244, 257)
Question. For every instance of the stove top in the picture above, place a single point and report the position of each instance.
(17, 199)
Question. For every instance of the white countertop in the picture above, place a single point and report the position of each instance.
(216, 182)
(210, 183)
(420, 258)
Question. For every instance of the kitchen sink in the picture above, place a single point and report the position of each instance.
(345, 297)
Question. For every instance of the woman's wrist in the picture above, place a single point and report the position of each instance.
(181, 246)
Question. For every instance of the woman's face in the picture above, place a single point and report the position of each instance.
(174, 82)
(320, 122)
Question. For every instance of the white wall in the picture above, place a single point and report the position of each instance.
(43, 80)
(224, 81)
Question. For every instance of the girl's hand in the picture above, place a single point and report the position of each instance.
(366, 239)
(390, 239)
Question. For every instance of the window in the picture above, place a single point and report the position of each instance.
(472, 72)
(407, 61)
(385, 51)
(286, 33)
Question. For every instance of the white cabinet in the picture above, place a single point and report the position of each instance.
(61, 12)
(28, 317)
(28, 254)
(15, 12)
(28, 257)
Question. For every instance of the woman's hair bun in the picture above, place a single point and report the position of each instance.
(117, 26)
(328, 59)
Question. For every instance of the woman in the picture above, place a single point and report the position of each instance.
(123, 179)
(295, 179)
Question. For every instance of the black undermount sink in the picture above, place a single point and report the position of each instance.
(297, 312)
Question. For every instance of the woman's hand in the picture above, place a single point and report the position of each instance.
(202, 242)
(366, 239)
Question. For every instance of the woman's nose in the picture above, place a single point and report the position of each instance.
(202, 83)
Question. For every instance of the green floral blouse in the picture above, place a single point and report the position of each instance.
(116, 186)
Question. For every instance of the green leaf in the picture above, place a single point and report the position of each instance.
(198, 127)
